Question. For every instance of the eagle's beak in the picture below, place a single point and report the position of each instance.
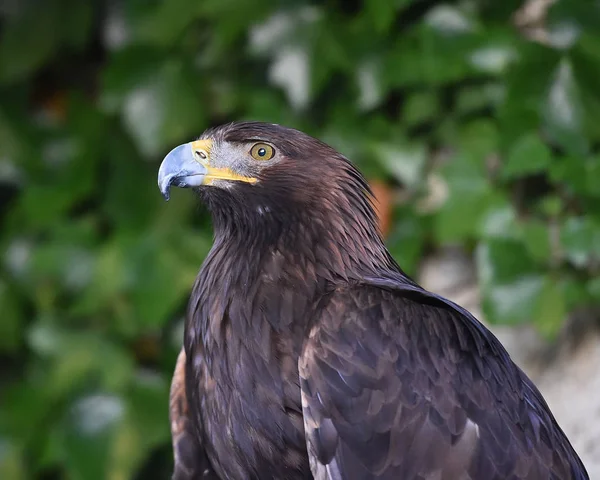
(188, 165)
(183, 167)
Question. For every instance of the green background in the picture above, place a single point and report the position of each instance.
(483, 124)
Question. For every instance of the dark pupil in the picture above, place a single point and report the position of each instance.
(262, 152)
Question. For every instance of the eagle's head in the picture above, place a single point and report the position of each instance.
(260, 172)
(270, 188)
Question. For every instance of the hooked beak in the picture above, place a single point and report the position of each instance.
(181, 169)
(188, 165)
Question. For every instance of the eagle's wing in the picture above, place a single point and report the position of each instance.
(190, 458)
(393, 388)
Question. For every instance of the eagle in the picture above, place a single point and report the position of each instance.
(309, 353)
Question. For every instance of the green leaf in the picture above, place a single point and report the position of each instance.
(510, 281)
(478, 139)
(528, 156)
(580, 13)
(163, 23)
(429, 56)
(76, 22)
(536, 238)
(493, 58)
(512, 303)
(157, 285)
(34, 35)
(23, 49)
(145, 426)
(479, 98)
(382, 13)
(24, 406)
(12, 464)
(406, 240)
(165, 109)
(448, 19)
(63, 263)
(12, 319)
(79, 359)
(585, 62)
(404, 161)
(148, 400)
(550, 311)
(161, 101)
(527, 84)
(133, 213)
(580, 239)
(576, 292)
(470, 197)
(65, 178)
(421, 107)
(502, 261)
(90, 430)
(593, 288)
(550, 205)
(580, 175)
(127, 69)
(111, 277)
(564, 111)
(498, 220)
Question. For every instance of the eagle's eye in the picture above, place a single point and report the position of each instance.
(262, 151)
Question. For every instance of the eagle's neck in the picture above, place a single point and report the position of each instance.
(275, 253)
(268, 275)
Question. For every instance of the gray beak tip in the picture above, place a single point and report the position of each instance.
(164, 185)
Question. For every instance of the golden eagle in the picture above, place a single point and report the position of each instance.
(308, 353)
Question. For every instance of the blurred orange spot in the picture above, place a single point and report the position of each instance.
(147, 348)
(55, 105)
(383, 204)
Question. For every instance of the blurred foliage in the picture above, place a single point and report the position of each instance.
(485, 132)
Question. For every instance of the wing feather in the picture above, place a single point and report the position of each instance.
(393, 387)
(191, 462)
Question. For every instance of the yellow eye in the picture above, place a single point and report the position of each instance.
(262, 151)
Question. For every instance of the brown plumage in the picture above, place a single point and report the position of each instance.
(310, 354)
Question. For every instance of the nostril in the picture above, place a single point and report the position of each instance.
(201, 154)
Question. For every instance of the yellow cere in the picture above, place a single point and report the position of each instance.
(201, 150)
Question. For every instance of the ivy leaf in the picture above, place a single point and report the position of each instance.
(498, 220)
(404, 161)
(12, 463)
(513, 303)
(470, 197)
(406, 240)
(580, 239)
(527, 86)
(382, 13)
(11, 324)
(163, 23)
(580, 175)
(90, 428)
(563, 110)
(510, 281)
(529, 155)
(161, 102)
(536, 238)
(23, 49)
(165, 109)
(421, 107)
(550, 311)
